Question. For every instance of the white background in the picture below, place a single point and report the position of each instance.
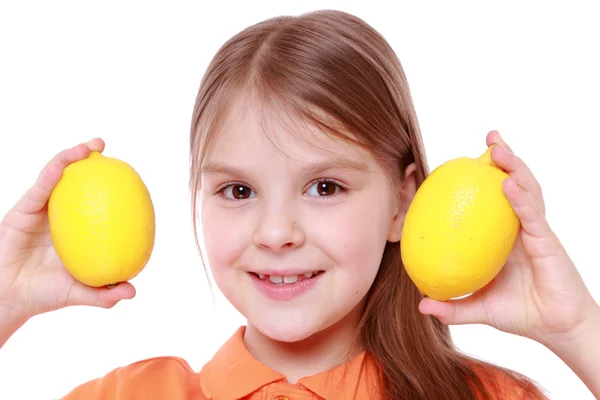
(128, 72)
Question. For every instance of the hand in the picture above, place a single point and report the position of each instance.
(32, 277)
(538, 294)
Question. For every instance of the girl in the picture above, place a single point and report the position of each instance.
(305, 155)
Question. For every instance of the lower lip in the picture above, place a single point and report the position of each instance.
(287, 291)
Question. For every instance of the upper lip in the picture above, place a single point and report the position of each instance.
(285, 271)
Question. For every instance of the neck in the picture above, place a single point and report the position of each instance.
(317, 353)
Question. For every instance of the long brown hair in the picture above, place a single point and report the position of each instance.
(337, 72)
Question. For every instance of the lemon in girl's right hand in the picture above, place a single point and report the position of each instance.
(102, 221)
(459, 229)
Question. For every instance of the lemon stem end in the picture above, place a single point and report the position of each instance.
(486, 157)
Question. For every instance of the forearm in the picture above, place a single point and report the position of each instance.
(581, 352)
(9, 324)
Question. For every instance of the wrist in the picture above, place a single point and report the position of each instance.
(10, 322)
(581, 335)
(579, 349)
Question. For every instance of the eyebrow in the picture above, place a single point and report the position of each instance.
(334, 163)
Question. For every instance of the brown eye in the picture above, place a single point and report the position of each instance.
(237, 192)
(240, 192)
(324, 189)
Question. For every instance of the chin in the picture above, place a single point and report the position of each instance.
(286, 331)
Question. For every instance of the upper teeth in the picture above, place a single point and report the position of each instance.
(279, 279)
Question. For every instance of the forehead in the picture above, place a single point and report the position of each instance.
(251, 127)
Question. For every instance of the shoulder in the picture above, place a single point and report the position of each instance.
(153, 378)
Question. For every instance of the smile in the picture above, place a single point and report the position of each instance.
(285, 287)
(287, 279)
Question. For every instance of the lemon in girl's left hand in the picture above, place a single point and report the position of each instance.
(102, 221)
(459, 229)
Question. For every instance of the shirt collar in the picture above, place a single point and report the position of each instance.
(234, 373)
(357, 378)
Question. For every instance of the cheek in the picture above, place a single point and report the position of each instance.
(226, 235)
(354, 236)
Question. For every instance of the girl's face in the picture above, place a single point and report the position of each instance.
(294, 224)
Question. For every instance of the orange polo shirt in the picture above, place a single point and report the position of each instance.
(233, 373)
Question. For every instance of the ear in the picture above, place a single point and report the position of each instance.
(406, 191)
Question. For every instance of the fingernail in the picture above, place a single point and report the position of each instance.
(506, 148)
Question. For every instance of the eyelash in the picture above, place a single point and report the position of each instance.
(230, 185)
(340, 189)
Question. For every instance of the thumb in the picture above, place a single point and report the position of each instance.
(468, 310)
(104, 297)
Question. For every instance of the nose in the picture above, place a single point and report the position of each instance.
(278, 229)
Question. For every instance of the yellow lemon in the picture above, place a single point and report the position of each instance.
(459, 229)
(101, 221)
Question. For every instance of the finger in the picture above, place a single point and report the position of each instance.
(494, 137)
(468, 310)
(532, 219)
(37, 196)
(95, 144)
(517, 169)
(82, 295)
